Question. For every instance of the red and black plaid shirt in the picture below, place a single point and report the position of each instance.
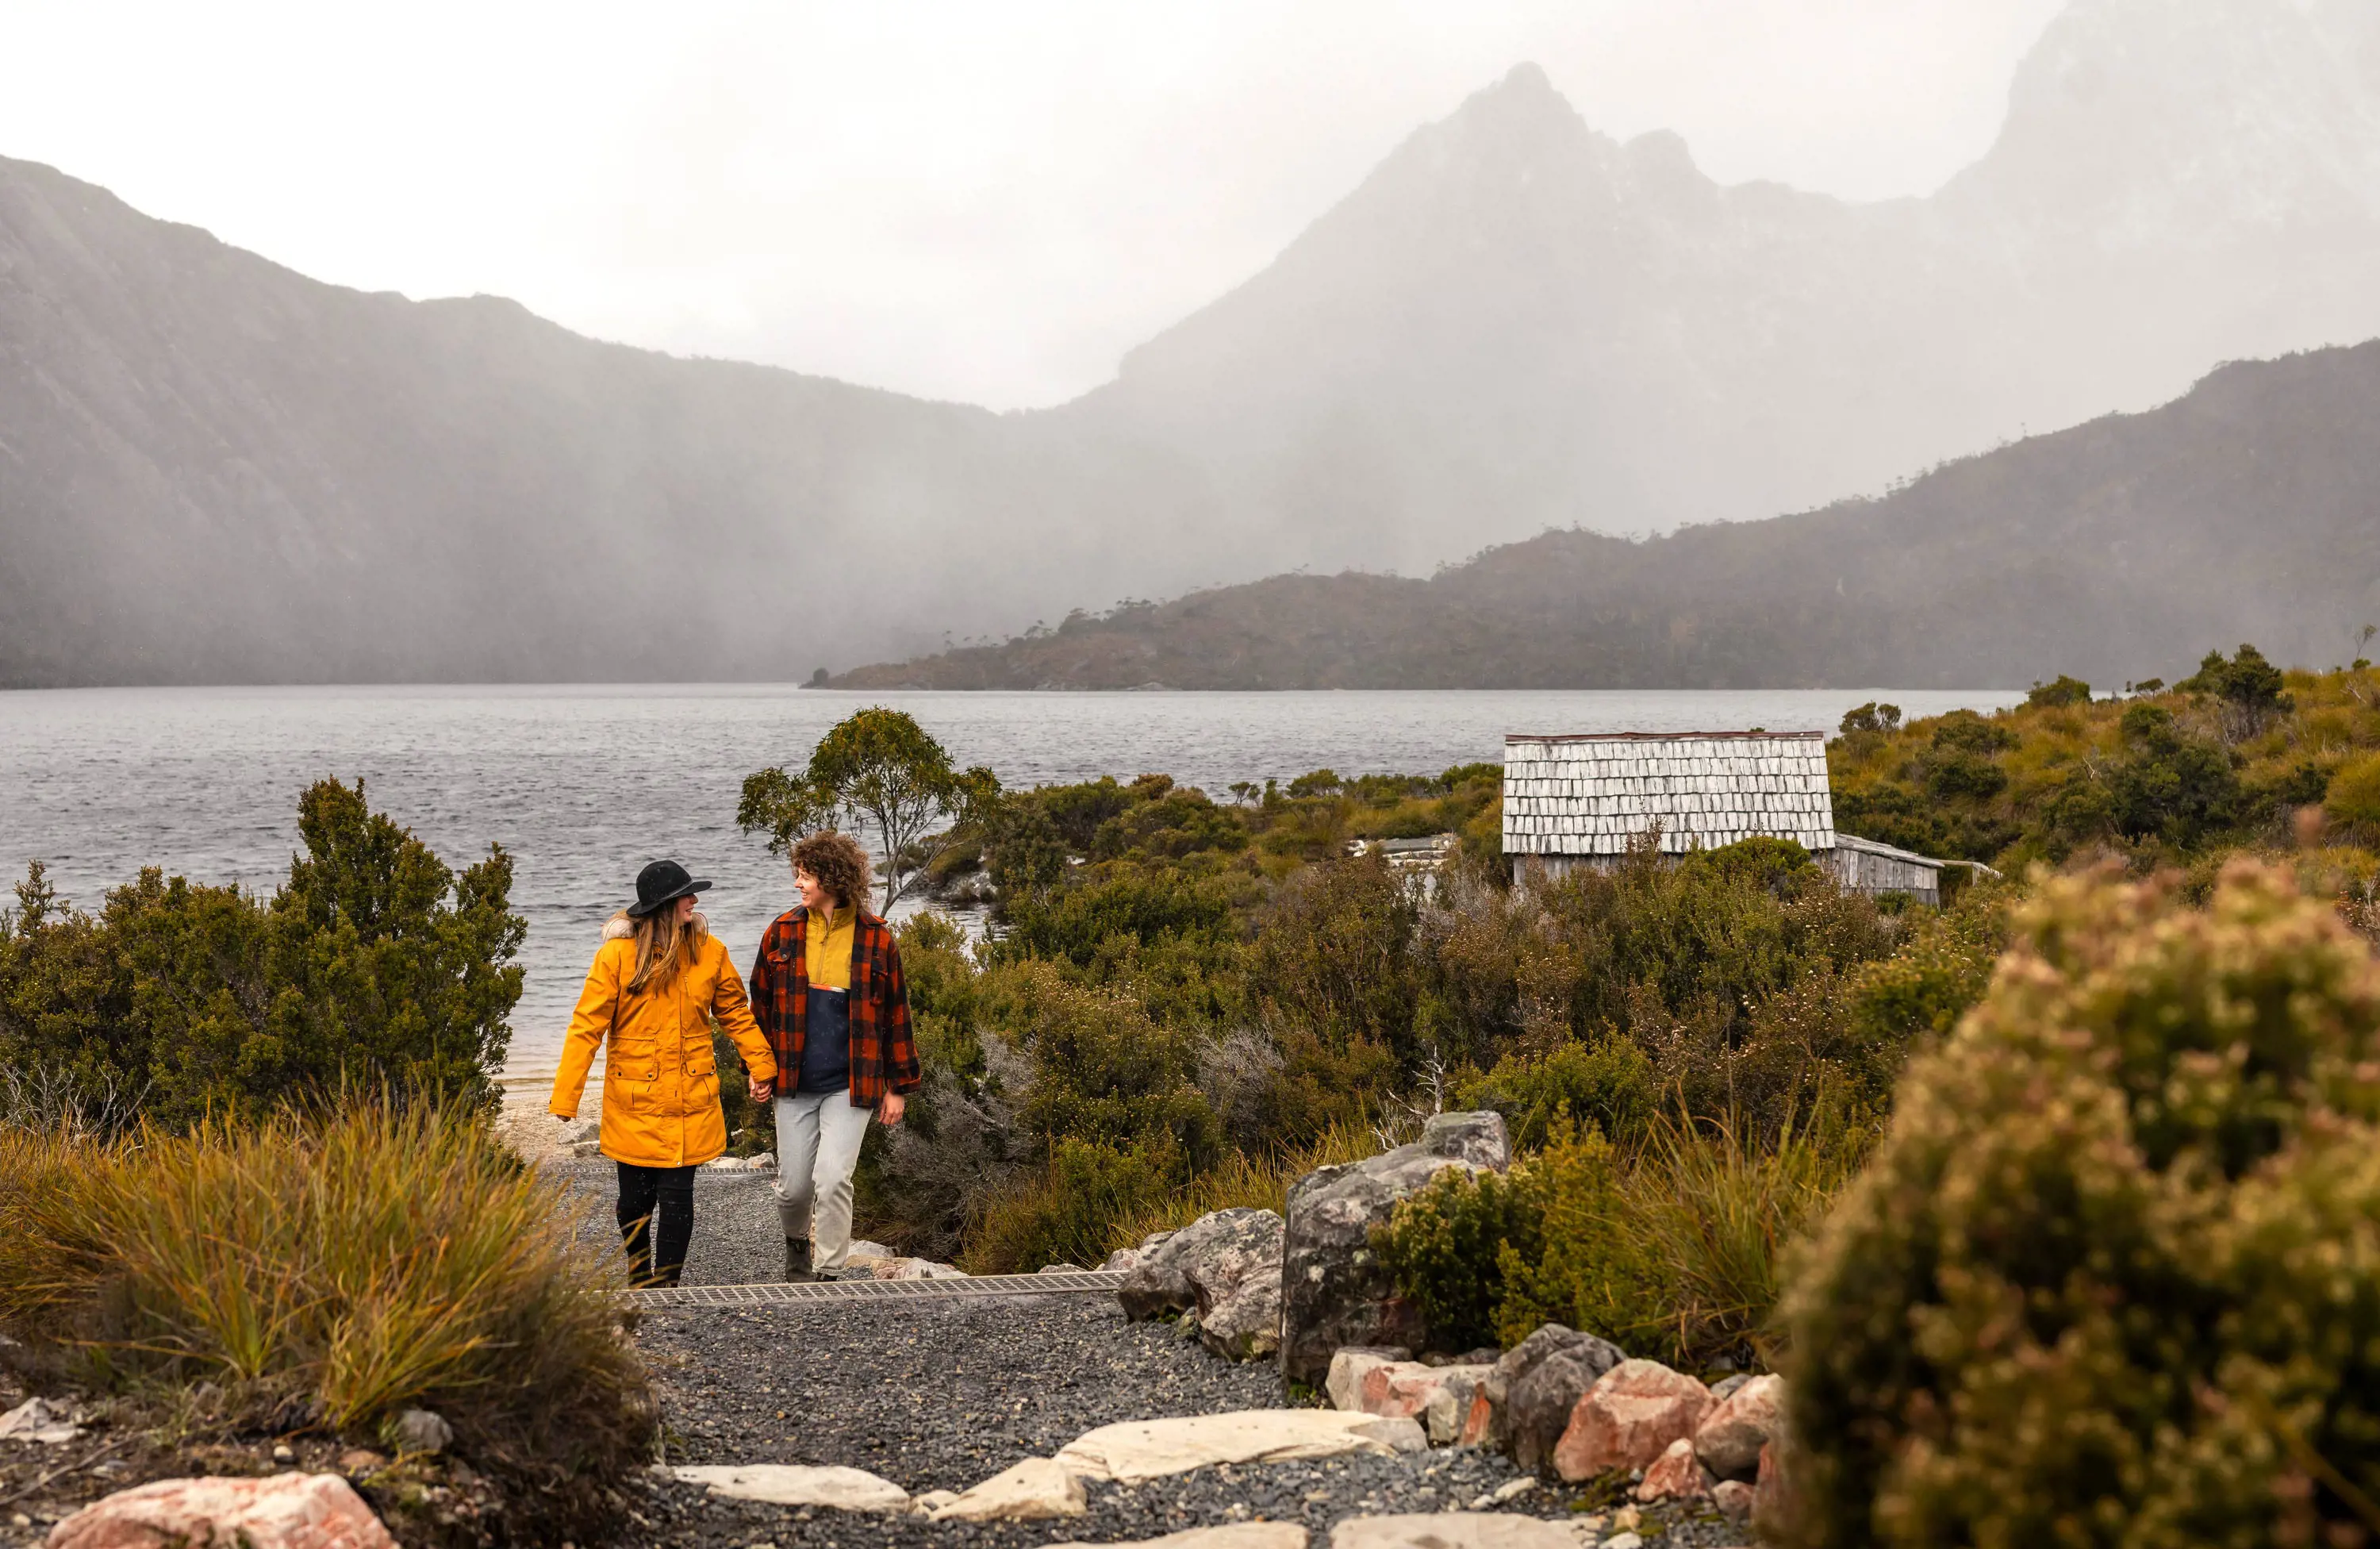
(883, 1053)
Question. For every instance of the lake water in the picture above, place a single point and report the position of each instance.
(584, 785)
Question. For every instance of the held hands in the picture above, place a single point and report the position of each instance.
(763, 1091)
(889, 1111)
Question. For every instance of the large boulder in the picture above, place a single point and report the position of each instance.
(286, 1511)
(1334, 1289)
(1225, 1267)
(1629, 1419)
(1535, 1385)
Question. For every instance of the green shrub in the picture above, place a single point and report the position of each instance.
(2114, 1277)
(1333, 953)
(1146, 903)
(2354, 795)
(1443, 1245)
(1068, 1211)
(2170, 784)
(2059, 693)
(373, 962)
(1103, 1071)
(1591, 1271)
(351, 1268)
(1608, 1082)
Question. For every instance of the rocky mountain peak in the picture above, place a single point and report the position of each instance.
(2140, 120)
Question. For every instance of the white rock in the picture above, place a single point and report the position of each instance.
(1514, 1489)
(37, 1419)
(1031, 1490)
(1144, 1450)
(863, 1248)
(1348, 1367)
(923, 1269)
(286, 1511)
(789, 1484)
(1231, 1535)
(421, 1431)
(1623, 1541)
(1452, 1530)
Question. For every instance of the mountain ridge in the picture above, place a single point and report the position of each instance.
(2247, 510)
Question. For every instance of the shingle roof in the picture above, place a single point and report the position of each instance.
(1587, 795)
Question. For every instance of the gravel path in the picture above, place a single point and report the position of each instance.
(943, 1395)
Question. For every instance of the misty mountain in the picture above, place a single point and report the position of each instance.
(2122, 549)
(214, 469)
(1518, 323)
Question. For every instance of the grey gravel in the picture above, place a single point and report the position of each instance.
(940, 1395)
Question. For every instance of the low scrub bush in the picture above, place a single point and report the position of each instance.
(1067, 1211)
(332, 1274)
(1608, 1082)
(373, 962)
(1673, 1250)
(1444, 1245)
(2113, 1276)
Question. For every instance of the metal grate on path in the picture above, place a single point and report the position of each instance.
(1080, 1282)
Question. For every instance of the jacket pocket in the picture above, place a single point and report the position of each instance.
(633, 1059)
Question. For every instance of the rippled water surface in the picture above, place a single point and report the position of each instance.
(583, 785)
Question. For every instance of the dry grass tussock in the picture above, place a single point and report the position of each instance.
(327, 1275)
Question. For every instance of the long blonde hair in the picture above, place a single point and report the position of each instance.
(662, 945)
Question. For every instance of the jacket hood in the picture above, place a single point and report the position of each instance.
(620, 927)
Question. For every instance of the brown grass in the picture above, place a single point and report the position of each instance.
(338, 1270)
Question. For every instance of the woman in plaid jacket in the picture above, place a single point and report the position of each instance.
(826, 991)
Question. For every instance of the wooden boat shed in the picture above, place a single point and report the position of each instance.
(1577, 802)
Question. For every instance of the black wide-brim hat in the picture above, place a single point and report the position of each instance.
(664, 881)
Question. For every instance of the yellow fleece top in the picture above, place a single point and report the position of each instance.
(826, 949)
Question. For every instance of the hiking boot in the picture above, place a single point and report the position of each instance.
(797, 1261)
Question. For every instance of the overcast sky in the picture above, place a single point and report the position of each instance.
(986, 201)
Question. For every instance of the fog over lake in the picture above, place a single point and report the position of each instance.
(583, 785)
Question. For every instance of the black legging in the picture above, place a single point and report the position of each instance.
(642, 1191)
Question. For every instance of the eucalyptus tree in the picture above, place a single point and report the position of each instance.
(879, 770)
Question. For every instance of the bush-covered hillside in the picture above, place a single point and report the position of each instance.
(1187, 1001)
(2238, 754)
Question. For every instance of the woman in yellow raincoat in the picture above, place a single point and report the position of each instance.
(658, 979)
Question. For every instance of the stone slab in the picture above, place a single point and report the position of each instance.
(1456, 1530)
(1144, 1450)
(1231, 1535)
(837, 1489)
(1032, 1490)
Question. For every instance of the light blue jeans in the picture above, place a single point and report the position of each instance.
(818, 1149)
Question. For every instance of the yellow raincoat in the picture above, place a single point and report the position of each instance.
(660, 1085)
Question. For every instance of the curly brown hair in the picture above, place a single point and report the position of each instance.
(841, 865)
